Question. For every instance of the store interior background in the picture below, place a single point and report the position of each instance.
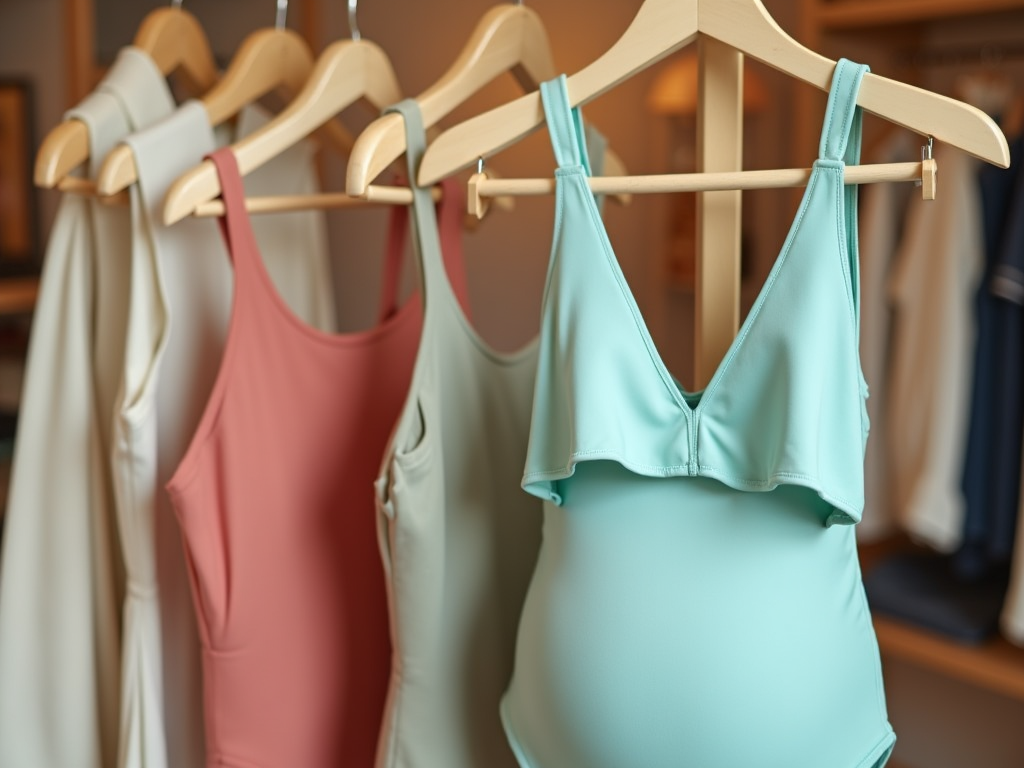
(940, 722)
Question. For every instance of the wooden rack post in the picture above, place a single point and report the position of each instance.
(719, 148)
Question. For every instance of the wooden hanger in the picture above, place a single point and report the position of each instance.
(268, 59)
(175, 41)
(509, 38)
(347, 71)
(663, 26)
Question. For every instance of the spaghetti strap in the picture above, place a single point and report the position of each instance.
(840, 134)
(234, 223)
(449, 212)
(398, 228)
(565, 125)
(426, 242)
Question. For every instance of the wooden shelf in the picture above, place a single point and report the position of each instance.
(997, 665)
(18, 295)
(853, 14)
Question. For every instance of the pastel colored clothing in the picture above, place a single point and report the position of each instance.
(61, 575)
(458, 535)
(275, 501)
(179, 299)
(697, 599)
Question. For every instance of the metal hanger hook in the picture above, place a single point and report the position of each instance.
(353, 26)
(926, 150)
(281, 20)
(176, 4)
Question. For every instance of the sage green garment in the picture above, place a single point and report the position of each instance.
(697, 601)
(458, 535)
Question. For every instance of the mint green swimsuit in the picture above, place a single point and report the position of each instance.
(697, 601)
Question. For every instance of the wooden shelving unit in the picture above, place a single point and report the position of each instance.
(996, 665)
(835, 15)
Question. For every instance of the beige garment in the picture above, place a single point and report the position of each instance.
(932, 289)
(883, 208)
(61, 576)
(459, 536)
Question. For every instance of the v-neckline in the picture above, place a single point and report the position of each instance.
(676, 390)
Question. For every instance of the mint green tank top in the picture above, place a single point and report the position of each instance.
(697, 600)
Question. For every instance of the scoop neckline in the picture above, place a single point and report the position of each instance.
(343, 339)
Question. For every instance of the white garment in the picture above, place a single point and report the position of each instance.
(61, 576)
(932, 289)
(883, 208)
(180, 301)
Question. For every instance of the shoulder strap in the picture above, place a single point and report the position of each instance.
(426, 241)
(234, 224)
(840, 135)
(398, 229)
(565, 126)
(449, 213)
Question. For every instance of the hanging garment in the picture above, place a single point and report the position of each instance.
(1008, 284)
(61, 577)
(180, 298)
(699, 565)
(991, 471)
(274, 497)
(931, 290)
(883, 210)
(459, 538)
(295, 243)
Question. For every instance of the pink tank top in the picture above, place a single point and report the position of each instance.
(275, 500)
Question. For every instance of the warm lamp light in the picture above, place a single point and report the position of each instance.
(674, 91)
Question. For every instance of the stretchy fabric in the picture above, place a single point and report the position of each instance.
(179, 299)
(697, 599)
(458, 535)
(61, 576)
(275, 500)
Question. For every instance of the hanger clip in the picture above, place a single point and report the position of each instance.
(477, 204)
(929, 171)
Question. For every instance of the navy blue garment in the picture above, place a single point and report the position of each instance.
(991, 480)
(924, 588)
(961, 595)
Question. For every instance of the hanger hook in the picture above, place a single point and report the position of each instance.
(519, 2)
(353, 26)
(281, 20)
(176, 4)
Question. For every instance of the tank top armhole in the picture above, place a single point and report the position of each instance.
(237, 238)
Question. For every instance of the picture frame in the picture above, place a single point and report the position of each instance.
(19, 222)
